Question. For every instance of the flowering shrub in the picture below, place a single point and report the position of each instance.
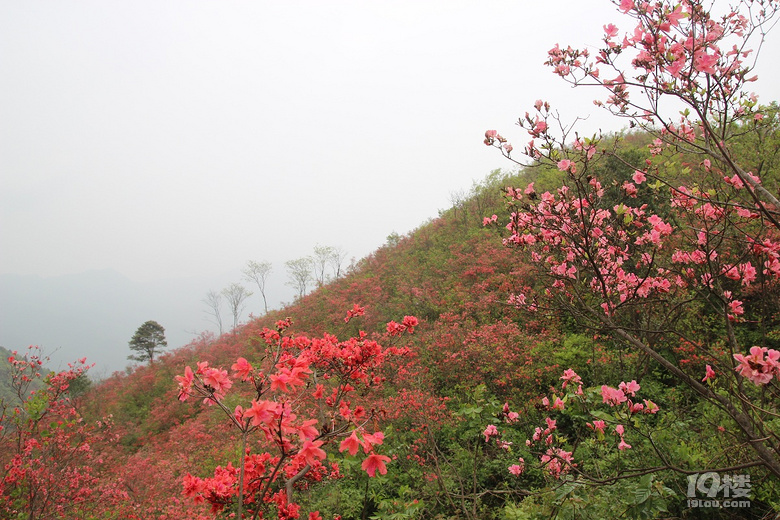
(307, 393)
(50, 465)
(550, 446)
(710, 241)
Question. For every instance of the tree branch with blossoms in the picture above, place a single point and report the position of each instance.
(711, 242)
(49, 462)
(306, 393)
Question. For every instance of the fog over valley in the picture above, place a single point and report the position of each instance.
(94, 314)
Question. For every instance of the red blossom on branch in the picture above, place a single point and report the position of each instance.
(296, 429)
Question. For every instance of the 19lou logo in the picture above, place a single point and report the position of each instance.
(713, 490)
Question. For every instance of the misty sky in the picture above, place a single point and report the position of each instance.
(183, 138)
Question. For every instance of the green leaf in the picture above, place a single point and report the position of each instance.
(644, 490)
(564, 490)
(604, 416)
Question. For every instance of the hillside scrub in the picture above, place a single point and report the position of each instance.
(595, 334)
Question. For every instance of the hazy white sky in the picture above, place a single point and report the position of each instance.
(179, 138)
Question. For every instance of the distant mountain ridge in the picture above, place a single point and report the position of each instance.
(94, 314)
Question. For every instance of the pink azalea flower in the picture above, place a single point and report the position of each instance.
(241, 369)
(410, 322)
(612, 396)
(375, 463)
(735, 307)
(557, 461)
(217, 380)
(748, 273)
(350, 444)
(709, 373)
(185, 383)
(261, 412)
(281, 380)
(639, 177)
(753, 366)
(490, 431)
(307, 431)
(504, 445)
(516, 470)
(540, 126)
(311, 452)
(570, 376)
(650, 407)
(704, 62)
(772, 361)
(564, 164)
(629, 388)
(394, 328)
(356, 310)
(372, 439)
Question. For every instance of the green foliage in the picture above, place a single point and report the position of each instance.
(79, 385)
(641, 498)
(404, 507)
(36, 405)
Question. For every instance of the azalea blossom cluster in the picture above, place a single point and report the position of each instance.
(622, 394)
(625, 256)
(407, 325)
(554, 460)
(220, 490)
(547, 441)
(308, 393)
(623, 398)
(492, 138)
(760, 366)
(673, 47)
(47, 449)
(689, 228)
(27, 368)
(581, 242)
(355, 311)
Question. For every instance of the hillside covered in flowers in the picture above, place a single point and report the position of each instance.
(594, 334)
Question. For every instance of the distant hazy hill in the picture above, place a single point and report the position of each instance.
(94, 314)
